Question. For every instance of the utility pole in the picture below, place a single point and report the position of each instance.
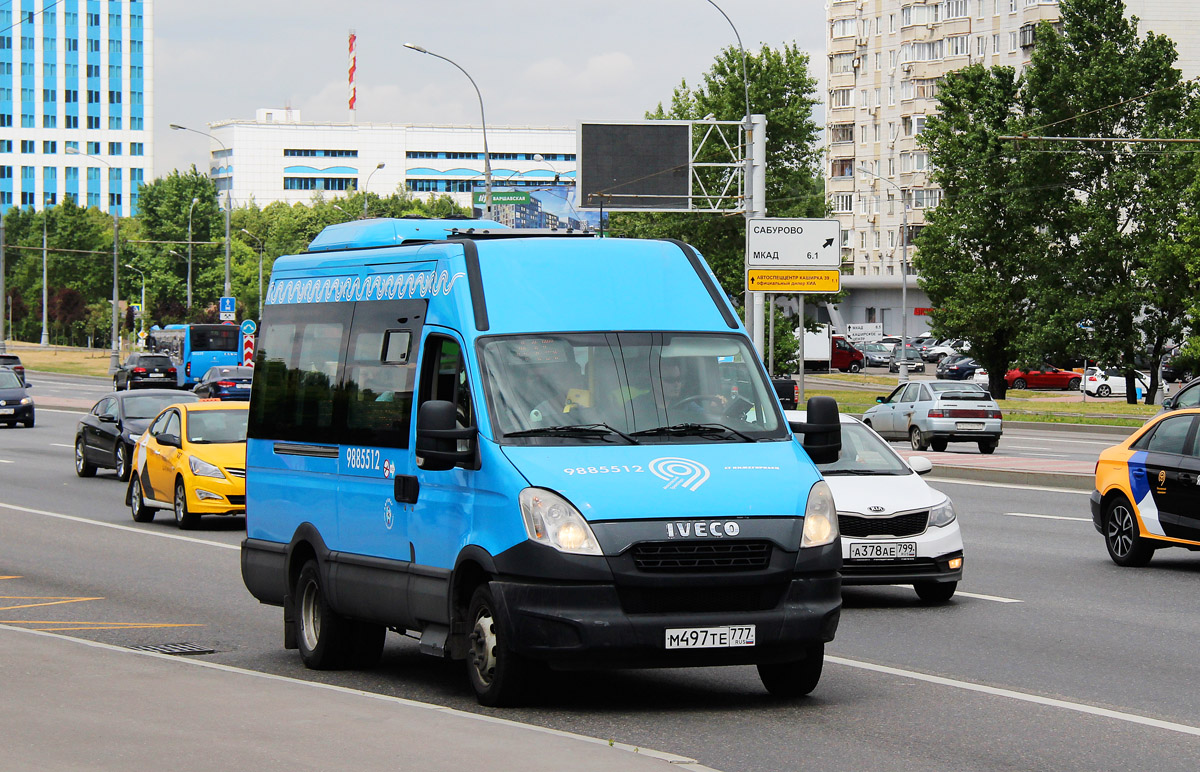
(3, 295)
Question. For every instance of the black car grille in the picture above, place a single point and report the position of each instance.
(909, 524)
(665, 600)
(885, 568)
(693, 557)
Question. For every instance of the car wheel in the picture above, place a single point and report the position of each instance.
(1125, 544)
(987, 447)
(82, 467)
(497, 673)
(938, 444)
(121, 461)
(137, 502)
(1104, 390)
(1019, 384)
(935, 592)
(855, 367)
(184, 519)
(323, 636)
(115, 386)
(1073, 384)
(916, 439)
(788, 680)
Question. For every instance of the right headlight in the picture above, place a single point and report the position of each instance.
(552, 520)
(820, 517)
(942, 514)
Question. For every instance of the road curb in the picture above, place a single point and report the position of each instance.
(1079, 482)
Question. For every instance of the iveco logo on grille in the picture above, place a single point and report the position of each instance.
(875, 509)
(703, 529)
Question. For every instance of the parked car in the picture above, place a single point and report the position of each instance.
(957, 367)
(875, 354)
(191, 460)
(945, 348)
(915, 363)
(1046, 377)
(895, 528)
(225, 382)
(16, 406)
(1170, 369)
(1110, 382)
(14, 362)
(104, 437)
(930, 414)
(153, 371)
(1188, 396)
(1145, 495)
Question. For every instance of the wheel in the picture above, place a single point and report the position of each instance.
(855, 367)
(788, 680)
(121, 461)
(28, 423)
(137, 502)
(916, 439)
(935, 592)
(1019, 384)
(115, 386)
(938, 444)
(325, 637)
(1104, 390)
(987, 447)
(184, 519)
(1125, 544)
(82, 467)
(497, 673)
(1073, 384)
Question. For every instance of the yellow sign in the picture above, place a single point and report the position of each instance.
(793, 281)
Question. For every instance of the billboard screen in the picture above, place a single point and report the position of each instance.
(634, 166)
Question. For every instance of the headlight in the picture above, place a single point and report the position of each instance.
(942, 514)
(820, 517)
(26, 400)
(550, 519)
(204, 469)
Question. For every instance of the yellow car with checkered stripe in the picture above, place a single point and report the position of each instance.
(1147, 494)
(191, 460)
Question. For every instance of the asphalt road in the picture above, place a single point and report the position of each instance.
(1049, 658)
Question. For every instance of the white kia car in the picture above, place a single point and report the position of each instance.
(895, 528)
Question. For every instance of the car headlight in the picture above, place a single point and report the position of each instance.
(26, 400)
(204, 469)
(550, 519)
(942, 514)
(820, 517)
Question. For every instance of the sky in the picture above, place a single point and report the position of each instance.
(536, 63)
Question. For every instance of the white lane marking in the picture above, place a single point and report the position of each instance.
(77, 411)
(1106, 443)
(86, 521)
(676, 761)
(4, 461)
(952, 481)
(996, 598)
(1011, 694)
(1049, 517)
(61, 445)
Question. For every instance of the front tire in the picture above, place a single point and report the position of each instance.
(137, 502)
(935, 592)
(916, 439)
(1019, 384)
(788, 680)
(855, 367)
(497, 673)
(121, 461)
(1125, 544)
(82, 467)
(184, 519)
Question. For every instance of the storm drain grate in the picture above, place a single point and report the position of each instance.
(174, 648)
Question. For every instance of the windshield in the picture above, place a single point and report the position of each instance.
(217, 426)
(9, 380)
(150, 405)
(153, 361)
(622, 384)
(863, 452)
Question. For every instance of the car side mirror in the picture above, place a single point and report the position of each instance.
(171, 440)
(822, 431)
(1169, 403)
(441, 445)
(920, 464)
(881, 400)
(106, 418)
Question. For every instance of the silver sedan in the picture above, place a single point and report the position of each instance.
(930, 414)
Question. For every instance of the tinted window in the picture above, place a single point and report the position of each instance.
(939, 387)
(1189, 397)
(216, 337)
(910, 393)
(153, 360)
(380, 373)
(9, 380)
(1167, 437)
(148, 405)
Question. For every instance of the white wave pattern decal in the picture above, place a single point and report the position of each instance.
(679, 472)
(347, 289)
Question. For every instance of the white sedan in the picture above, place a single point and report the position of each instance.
(895, 528)
(1110, 382)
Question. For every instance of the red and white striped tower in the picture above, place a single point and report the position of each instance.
(353, 67)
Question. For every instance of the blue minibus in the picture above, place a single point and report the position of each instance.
(526, 450)
(197, 347)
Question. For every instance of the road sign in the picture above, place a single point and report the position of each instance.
(793, 243)
(227, 305)
(819, 281)
(248, 351)
(248, 327)
(501, 197)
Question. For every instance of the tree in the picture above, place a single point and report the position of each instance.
(163, 209)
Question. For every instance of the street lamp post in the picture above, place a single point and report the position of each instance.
(130, 267)
(487, 159)
(228, 206)
(189, 257)
(45, 291)
(379, 166)
(260, 259)
(903, 360)
(114, 361)
(3, 295)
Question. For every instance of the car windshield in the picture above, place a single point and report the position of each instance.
(662, 386)
(9, 380)
(208, 427)
(150, 405)
(153, 361)
(863, 452)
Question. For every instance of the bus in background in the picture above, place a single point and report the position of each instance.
(197, 347)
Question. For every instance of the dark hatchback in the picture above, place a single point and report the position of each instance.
(16, 406)
(957, 367)
(146, 371)
(225, 383)
(105, 436)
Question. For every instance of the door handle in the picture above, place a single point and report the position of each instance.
(406, 489)
(1187, 478)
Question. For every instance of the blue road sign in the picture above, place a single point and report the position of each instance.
(248, 327)
(228, 306)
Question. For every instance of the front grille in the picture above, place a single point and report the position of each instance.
(887, 568)
(705, 556)
(668, 600)
(238, 500)
(236, 471)
(909, 524)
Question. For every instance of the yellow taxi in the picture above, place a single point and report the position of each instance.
(1147, 492)
(191, 460)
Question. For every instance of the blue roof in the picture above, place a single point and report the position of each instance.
(383, 231)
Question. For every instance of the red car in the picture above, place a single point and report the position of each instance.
(1048, 377)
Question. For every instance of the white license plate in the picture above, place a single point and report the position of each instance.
(7, 410)
(968, 426)
(710, 637)
(158, 375)
(896, 550)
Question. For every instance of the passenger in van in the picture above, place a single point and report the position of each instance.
(683, 395)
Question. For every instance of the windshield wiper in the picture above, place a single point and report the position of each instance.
(692, 429)
(575, 430)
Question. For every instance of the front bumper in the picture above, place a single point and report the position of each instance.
(19, 413)
(921, 569)
(232, 495)
(1096, 501)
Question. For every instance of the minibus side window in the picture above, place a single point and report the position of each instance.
(380, 373)
(444, 377)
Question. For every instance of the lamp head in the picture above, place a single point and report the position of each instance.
(177, 127)
(380, 165)
(539, 157)
(416, 48)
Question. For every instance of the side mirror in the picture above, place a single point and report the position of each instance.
(1169, 403)
(441, 445)
(171, 440)
(881, 400)
(920, 464)
(822, 431)
(106, 418)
